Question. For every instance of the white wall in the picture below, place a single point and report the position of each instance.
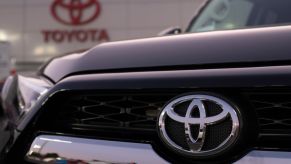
(22, 23)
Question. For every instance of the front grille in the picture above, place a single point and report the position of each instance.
(273, 111)
(123, 111)
(133, 115)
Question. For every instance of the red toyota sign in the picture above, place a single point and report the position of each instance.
(76, 11)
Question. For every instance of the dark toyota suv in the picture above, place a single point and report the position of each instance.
(211, 97)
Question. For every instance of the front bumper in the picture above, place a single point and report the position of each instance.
(63, 150)
(58, 149)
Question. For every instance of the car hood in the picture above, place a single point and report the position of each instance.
(207, 50)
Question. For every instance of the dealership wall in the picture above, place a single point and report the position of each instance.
(36, 35)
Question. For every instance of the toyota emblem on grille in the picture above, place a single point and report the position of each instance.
(198, 124)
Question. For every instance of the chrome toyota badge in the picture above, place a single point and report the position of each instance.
(198, 125)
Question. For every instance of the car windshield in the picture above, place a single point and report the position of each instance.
(236, 14)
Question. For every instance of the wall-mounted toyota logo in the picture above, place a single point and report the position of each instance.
(75, 12)
(198, 125)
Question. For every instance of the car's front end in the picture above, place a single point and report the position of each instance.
(215, 97)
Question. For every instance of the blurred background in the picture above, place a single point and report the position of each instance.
(33, 31)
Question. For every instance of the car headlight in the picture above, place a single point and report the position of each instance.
(29, 91)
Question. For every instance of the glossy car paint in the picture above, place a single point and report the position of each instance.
(220, 48)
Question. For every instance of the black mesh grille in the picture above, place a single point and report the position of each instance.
(212, 109)
(216, 134)
(273, 111)
(124, 111)
(176, 131)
